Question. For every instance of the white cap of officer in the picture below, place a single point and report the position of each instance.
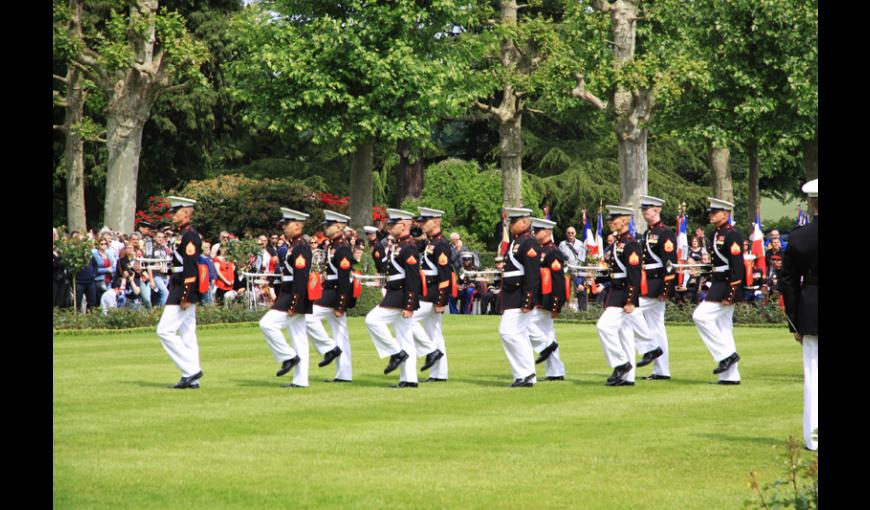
(330, 217)
(719, 205)
(396, 215)
(811, 188)
(541, 224)
(179, 202)
(648, 201)
(370, 230)
(615, 211)
(288, 214)
(515, 213)
(427, 213)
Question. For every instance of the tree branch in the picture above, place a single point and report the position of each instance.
(59, 128)
(484, 107)
(532, 110)
(177, 87)
(602, 5)
(467, 118)
(60, 78)
(581, 92)
(95, 139)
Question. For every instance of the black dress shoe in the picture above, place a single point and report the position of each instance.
(548, 350)
(555, 378)
(329, 356)
(294, 386)
(435, 379)
(336, 380)
(655, 377)
(395, 361)
(619, 371)
(194, 385)
(288, 365)
(729, 383)
(620, 382)
(405, 384)
(519, 383)
(650, 356)
(431, 358)
(726, 363)
(185, 382)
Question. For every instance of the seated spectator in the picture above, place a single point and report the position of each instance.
(131, 291)
(239, 291)
(489, 293)
(468, 289)
(774, 235)
(144, 281)
(226, 276)
(113, 297)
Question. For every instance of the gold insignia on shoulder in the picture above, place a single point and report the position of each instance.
(669, 246)
(442, 259)
(344, 264)
(555, 266)
(633, 259)
(531, 253)
(299, 263)
(190, 249)
(735, 248)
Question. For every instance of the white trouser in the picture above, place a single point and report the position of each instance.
(617, 331)
(271, 325)
(654, 314)
(811, 389)
(541, 335)
(177, 332)
(514, 332)
(377, 321)
(423, 341)
(340, 337)
(714, 322)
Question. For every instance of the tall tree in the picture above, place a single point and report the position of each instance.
(134, 57)
(648, 68)
(355, 75)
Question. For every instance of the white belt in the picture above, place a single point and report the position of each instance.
(617, 276)
(177, 269)
(656, 265)
(331, 277)
(511, 274)
(720, 269)
(395, 277)
(430, 272)
(285, 278)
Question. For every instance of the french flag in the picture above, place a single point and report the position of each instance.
(600, 236)
(757, 240)
(591, 246)
(682, 245)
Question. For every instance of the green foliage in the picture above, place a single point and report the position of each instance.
(240, 251)
(470, 198)
(789, 493)
(745, 314)
(123, 318)
(247, 206)
(74, 254)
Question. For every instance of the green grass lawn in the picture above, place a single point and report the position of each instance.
(123, 440)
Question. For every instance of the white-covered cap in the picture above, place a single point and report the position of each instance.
(370, 230)
(293, 215)
(427, 213)
(180, 202)
(648, 201)
(619, 210)
(715, 203)
(811, 188)
(334, 217)
(395, 215)
(541, 223)
(514, 213)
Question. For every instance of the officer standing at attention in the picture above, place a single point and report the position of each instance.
(621, 319)
(551, 298)
(403, 290)
(799, 284)
(659, 245)
(714, 316)
(177, 326)
(336, 300)
(519, 295)
(292, 304)
(439, 275)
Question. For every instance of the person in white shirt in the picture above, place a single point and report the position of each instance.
(575, 254)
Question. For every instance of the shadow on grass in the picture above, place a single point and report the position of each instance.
(769, 441)
(151, 384)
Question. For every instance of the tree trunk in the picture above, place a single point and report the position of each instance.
(721, 171)
(633, 174)
(811, 158)
(124, 125)
(409, 176)
(754, 192)
(511, 161)
(361, 184)
(73, 155)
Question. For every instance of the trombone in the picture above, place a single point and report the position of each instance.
(371, 280)
(587, 269)
(707, 268)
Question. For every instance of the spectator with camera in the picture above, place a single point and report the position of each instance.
(161, 274)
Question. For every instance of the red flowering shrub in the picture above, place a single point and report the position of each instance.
(156, 211)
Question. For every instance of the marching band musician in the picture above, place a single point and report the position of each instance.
(551, 298)
(403, 289)
(621, 320)
(659, 244)
(520, 282)
(714, 316)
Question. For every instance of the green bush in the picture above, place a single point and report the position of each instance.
(744, 314)
(123, 318)
(246, 206)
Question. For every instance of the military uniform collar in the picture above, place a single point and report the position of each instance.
(521, 235)
(404, 238)
(435, 237)
(657, 225)
(548, 244)
(725, 227)
(624, 236)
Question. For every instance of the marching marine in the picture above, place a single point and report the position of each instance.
(551, 298)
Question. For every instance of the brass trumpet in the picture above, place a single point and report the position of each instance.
(371, 280)
(152, 264)
(587, 269)
(465, 273)
(670, 267)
